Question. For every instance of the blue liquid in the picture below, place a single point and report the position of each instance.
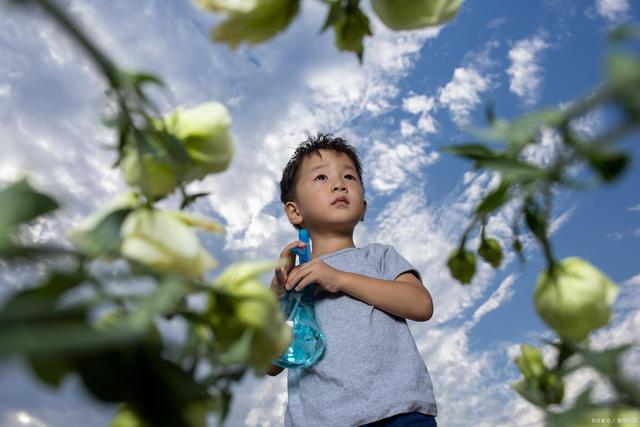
(307, 346)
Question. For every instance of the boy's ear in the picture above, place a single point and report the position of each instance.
(293, 213)
(364, 210)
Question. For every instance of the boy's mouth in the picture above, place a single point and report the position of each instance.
(340, 199)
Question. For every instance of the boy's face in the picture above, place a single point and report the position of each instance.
(328, 193)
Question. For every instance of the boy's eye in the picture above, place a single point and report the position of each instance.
(320, 177)
(350, 177)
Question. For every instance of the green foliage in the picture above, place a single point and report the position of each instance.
(350, 25)
(251, 25)
(462, 265)
(491, 252)
(571, 295)
(259, 21)
(20, 204)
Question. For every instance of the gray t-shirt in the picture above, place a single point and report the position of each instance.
(371, 368)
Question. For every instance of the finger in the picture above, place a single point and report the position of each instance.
(296, 275)
(288, 258)
(304, 282)
(281, 276)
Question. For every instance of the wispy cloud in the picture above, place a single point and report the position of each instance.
(635, 208)
(462, 94)
(525, 70)
(390, 165)
(416, 104)
(614, 11)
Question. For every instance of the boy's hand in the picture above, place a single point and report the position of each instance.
(315, 271)
(285, 265)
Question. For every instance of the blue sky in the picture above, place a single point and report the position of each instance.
(415, 92)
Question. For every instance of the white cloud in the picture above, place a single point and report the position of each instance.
(525, 70)
(462, 93)
(496, 22)
(635, 208)
(614, 11)
(391, 166)
(416, 104)
(502, 295)
(590, 124)
(406, 128)
(427, 123)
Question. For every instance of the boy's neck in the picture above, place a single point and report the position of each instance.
(326, 243)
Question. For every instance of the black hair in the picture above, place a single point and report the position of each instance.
(313, 144)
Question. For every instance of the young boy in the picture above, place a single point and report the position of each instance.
(371, 372)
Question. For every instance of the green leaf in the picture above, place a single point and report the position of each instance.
(225, 404)
(521, 130)
(57, 336)
(535, 220)
(606, 361)
(528, 390)
(552, 387)
(257, 25)
(623, 71)
(351, 27)
(573, 415)
(163, 300)
(21, 203)
(624, 32)
(494, 199)
(176, 150)
(335, 12)
(159, 391)
(608, 165)
(516, 245)
(489, 113)
(142, 78)
(513, 169)
(39, 302)
(491, 252)
(50, 367)
(462, 265)
(239, 351)
(104, 239)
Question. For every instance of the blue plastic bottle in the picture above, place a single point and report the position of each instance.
(299, 309)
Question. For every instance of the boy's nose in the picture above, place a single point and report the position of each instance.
(339, 187)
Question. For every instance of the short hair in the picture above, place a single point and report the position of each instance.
(313, 144)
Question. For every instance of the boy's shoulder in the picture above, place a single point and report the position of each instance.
(366, 251)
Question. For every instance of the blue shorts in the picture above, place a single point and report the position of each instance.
(409, 419)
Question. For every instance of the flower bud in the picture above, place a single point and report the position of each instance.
(530, 362)
(576, 299)
(203, 132)
(242, 303)
(413, 14)
(462, 265)
(491, 252)
(161, 241)
(552, 387)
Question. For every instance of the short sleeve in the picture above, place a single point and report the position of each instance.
(394, 264)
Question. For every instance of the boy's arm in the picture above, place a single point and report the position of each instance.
(404, 297)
